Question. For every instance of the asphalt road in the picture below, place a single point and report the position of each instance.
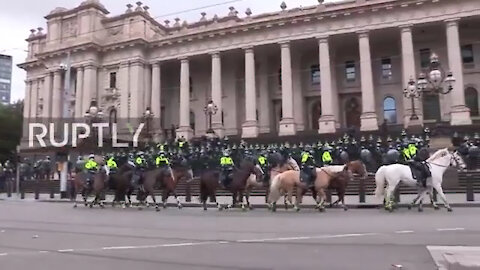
(54, 236)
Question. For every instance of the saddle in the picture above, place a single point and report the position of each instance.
(420, 171)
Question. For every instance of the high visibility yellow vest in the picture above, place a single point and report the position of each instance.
(406, 153)
(326, 157)
(91, 164)
(305, 157)
(412, 149)
(262, 160)
(161, 159)
(226, 161)
(111, 163)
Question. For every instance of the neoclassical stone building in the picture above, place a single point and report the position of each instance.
(319, 68)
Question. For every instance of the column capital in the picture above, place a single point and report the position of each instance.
(284, 44)
(363, 34)
(183, 60)
(248, 49)
(406, 27)
(322, 38)
(215, 54)
(124, 64)
(90, 66)
(452, 22)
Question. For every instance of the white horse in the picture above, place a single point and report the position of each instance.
(396, 173)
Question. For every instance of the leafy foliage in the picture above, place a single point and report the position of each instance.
(11, 118)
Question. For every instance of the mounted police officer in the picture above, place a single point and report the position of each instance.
(417, 161)
(140, 166)
(327, 155)
(263, 162)
(226, 166)
(112, 166)
(91, 166)
(308, 167)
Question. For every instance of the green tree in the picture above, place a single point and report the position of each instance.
(11, 119)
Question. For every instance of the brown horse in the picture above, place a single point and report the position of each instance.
(166, 179)
(286, 182)
(209, 183)
(98, 187)
(339, 184)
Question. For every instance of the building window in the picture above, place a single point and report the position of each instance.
(256, 115)
(113, 80)
(471, 100)
(350, 72)
(390, 110)
(387, 68)
(223, 118)
(280, 76)
(467, 54)
(192, 121)
(315, 74)
(431, 107)
(425, 58)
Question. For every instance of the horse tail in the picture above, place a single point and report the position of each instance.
(274, 193)
(380, 182)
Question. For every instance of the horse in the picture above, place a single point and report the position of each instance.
(284, 184)
(120, 183)
(326, 179)
(167, 179)
(393, 174)
(209, 183)
(98, 187)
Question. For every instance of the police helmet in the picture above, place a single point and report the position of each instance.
(91, 156)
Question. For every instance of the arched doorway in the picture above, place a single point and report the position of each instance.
(316, 113)
(471, 100)
(431, 107)
(352, 112)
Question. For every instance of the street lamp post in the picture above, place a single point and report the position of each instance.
(93, 113)
(210, 110)
(148, 115)
(435, 81)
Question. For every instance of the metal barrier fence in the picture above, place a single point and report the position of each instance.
(468, 183)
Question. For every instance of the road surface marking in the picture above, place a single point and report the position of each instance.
(65, 250)
(43, 251)
(402, 232)
(303, 238)
(3, 254)
(112, 248)
(450, 229)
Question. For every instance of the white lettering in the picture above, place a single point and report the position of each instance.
(100, 127)
(115, 142)
(39, 137)
(76, 135)
(137, 134)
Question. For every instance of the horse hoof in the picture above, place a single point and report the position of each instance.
(165, 206)
(436, 207)
(180, 206)
(140, 208)
(409, 207)
(204, 208)
(420, 209)
(91, 205)
(345, 209)
(297, 209)
(321, 209)
(74, 206)
(102, 206)
(250, 207)
(157, 209)
(449, 209)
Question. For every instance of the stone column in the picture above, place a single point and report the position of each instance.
(287, 124)
(26, 101)
(326, 123)
(156, 102)
(57, 95)
(47, 96)
(184, 129)
(136, 91)
(34, 98)
(123, 83)
(368, 118)
(217, 94)
(79, 112)
(250, 127)
(89, 86)
(264, 102)
(460, 113)
(408, 70)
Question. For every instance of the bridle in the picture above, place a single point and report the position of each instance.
(453, 157)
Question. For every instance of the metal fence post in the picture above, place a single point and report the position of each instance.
(52, 189)
(9, 187)
(188, 193)
(470, 193)
(21, 186)
(361, 190)
(37, 189)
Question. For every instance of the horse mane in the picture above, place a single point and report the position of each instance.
(440, 153)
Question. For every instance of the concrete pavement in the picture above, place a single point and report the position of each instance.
(53, 236)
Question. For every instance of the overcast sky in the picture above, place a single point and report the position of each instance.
(17, 17)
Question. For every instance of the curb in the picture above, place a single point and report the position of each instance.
(307, 206)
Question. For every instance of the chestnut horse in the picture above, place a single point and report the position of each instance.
(209, 183)
(98, 187)
(285, 183)
(166, 179)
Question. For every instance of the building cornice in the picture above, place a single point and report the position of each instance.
(59, 12)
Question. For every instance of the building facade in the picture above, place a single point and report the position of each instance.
(320, 68)
(5, 78)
